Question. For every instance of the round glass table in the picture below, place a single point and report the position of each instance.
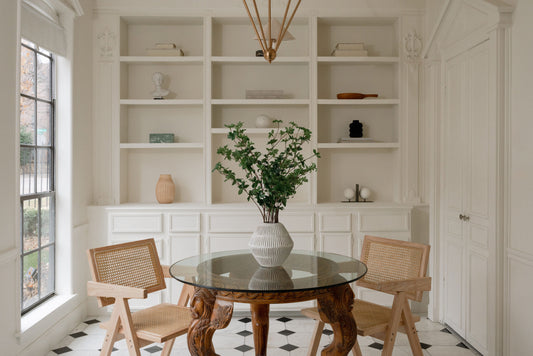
(222, 278)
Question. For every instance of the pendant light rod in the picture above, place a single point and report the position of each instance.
(284, 30)
(253, 24)
(267, 44)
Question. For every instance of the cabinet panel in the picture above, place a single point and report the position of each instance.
(303, 242)
(338, 222)
(341, 244)
(226, 242)
(369, 222)
(298, 222)
(181, 246)
(136, 223)
(236, 222)
(184, 222)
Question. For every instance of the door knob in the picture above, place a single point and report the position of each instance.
(466, 218)
(461, 216)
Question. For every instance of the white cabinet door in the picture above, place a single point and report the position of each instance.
(468, 193)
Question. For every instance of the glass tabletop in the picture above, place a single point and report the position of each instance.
(238, 271)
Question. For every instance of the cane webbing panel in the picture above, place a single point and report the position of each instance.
(391, 263)
(393, 260)
(133, 264)
(160, 323)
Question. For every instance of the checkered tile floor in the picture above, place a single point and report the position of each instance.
(288, 336)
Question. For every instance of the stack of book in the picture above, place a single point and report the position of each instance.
(164, 49)
(265, 94)
(355, 139)
(350, 50)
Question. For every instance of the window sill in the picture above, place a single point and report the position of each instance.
(40, 319)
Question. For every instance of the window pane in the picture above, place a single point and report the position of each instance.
(30, 279)
(44, 77)
(44, 165)
(27, 71)
(44, 123)
(30, 224)
(27, 121)
(27, 170)
(47, 220)
(47, 268)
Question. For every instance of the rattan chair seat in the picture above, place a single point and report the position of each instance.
(370, 318)
(160, 323)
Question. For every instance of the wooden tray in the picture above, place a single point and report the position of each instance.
(355, 96)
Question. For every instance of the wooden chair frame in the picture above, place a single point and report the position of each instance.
(121, 324)
(399, 316)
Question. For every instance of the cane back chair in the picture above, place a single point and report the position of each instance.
(394, 267)
(132, 270)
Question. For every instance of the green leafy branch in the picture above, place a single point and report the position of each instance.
(269, 179)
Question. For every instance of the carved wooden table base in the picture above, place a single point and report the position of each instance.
(212, 310)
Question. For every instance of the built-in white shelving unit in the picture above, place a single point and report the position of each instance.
(208, 91)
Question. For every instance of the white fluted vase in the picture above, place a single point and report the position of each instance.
(271, 244)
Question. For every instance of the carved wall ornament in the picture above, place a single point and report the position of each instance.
(412, 45)
(106, 41)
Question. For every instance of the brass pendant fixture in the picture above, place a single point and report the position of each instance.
(270, 42)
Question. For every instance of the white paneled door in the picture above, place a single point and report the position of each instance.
(468, 190)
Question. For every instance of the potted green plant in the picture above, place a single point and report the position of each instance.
(269, 180)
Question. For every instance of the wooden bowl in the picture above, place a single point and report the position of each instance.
(355, 96)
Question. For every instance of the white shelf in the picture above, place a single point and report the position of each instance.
(161, 59)
(161, 102)
(253, 130)
(368, 101)
(259, 60)
(160, 145)
(332, 59)
(359, 145)
(260, 101)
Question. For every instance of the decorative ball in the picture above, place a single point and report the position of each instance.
(263, 121)
(349, 193)
(364, 193)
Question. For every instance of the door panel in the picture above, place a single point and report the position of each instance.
(480, 140)
(454, 286)
(478, 292)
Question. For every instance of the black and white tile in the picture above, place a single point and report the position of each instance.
(288, 336)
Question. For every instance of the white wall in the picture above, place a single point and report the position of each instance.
(8, 183)
(520, 240)
(76, 120)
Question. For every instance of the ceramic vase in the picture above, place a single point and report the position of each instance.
(271, 244)
(165, 189)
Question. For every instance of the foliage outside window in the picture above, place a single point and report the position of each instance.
(37, 196)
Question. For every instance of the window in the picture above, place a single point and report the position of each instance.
(37, 191)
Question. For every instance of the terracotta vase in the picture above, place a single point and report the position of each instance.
(164, 190)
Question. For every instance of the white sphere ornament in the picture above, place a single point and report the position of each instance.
(349, 193)
(364, 193)
(263, 122)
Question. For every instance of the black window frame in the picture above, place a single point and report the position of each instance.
(39, 196)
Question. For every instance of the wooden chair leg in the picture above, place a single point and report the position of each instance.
(167, 347)
(356, 350)
(392, 329)
(410, 330)
(111, 334)
(315, 340)
(132, 342)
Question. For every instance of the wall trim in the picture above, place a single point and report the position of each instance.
(8, 255)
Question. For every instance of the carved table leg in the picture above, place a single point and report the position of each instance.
(209, 314)
(335, 308)
(260, 327)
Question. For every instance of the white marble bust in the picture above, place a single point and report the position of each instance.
(159, 93)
